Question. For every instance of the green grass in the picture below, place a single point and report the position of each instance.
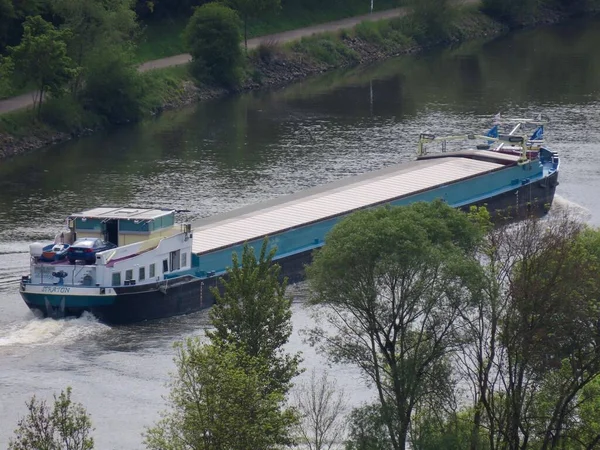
(21, 123)
(67, 115)
(327, 48)
(162, 39)
(332, 48)
(163, 85)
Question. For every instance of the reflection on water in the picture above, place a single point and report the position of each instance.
(228, 153)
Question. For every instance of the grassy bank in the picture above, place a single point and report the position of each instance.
(161, 39)
(63, 118)
(268, 66)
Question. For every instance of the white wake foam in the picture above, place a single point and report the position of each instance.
(561, 205)
(37, 332)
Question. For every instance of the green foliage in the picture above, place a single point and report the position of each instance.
(162, 86)
(392, 282)
(213, 38)
(67, 114)
(432, 18)
(66, 427)
(586, 430)
(220, 399)
(96, 24)
(367, 429)
(113, 88)
(251, 9)
(388, 34)
(326, 48)
(531, 347)
(434, 430)
(97, 30)
(254, 314)
(511, 12)
(6, 69)
(160, 39)
(266, 51)
(163, 37)
(12, 15)
(7, 17)
(369, 31)
(42, 58)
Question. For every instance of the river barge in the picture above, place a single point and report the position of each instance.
(158, 268)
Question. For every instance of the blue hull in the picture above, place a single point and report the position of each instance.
(190, 293)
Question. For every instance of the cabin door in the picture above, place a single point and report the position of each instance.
(111, 231)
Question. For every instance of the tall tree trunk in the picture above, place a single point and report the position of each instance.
(476, 425)
(246, 33)
(40, 99)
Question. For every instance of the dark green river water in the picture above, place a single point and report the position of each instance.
(220, 155)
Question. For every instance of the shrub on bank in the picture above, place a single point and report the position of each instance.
(325, 48)
(113, 88)
(432, 19)
(510, 12)
(213, 37)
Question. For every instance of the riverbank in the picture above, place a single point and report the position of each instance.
(270, 65)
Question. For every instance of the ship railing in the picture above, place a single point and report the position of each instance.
(64, 276)
(427, 138)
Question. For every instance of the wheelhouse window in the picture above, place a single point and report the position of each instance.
(183, 259)
(116, 279)
(152, 271)
(142, 274)
(175, 258)
(165, 266)
(129, 274)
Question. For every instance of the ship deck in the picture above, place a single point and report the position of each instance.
(342, 197)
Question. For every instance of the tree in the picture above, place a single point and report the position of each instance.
(321, 407)
(213, 38)
(98, 30)
(66, 427)
(432, 17)
(113, 87)
(512, 12)
(12, 15)
(368, 429)
(254, 314)
(220, 399)
(439, 429)
(6, 68)
(251, 9)
(531, 343)
(7, 17)
(392, 282)
(41, 58)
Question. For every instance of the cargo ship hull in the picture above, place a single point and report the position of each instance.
(191, 291)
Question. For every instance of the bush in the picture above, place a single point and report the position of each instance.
(67, 114)
(213, 37)
(433, 18)
(113, 88)
(511, 12)
(369, 31)
(389, 34)
(367, 429)
(326, 48)
(267, 50)
(578, 6)
(65, 425)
